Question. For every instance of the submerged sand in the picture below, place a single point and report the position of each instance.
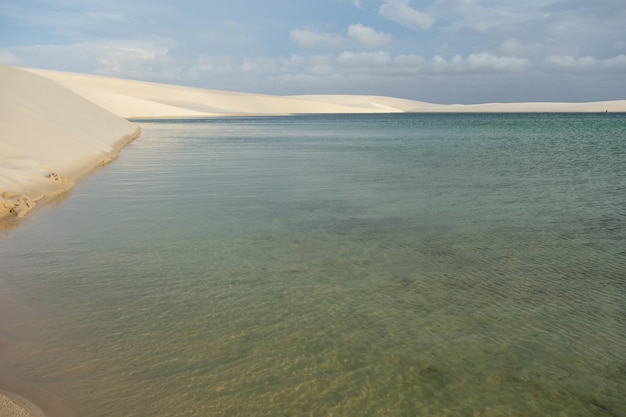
(12, 405)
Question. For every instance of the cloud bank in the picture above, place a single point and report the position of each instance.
(401, 12)
(436, 50)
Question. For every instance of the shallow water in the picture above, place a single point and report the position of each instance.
(435, 265)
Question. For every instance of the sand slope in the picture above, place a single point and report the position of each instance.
(49, 137)
(137, 99)
(402, 105)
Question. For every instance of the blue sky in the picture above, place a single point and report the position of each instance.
(444, 51)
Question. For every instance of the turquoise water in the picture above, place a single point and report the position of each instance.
(388, 265)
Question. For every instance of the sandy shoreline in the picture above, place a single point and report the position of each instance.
(12, 405)
(50, 138)
(139, 99)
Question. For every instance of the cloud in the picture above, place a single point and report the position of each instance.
(487, 63)
(377, 64)
(74, 24)
(143, 58)
(365, 60)
(586, 64)
(310, 39)
(401, 12)
(358, 32)
(535, 50)
(535, 28)
(481, 63)
(368, 36)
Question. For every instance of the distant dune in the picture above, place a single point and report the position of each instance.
(138, 99)
(402, 105)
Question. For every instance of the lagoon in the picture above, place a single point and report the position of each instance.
(370, 265)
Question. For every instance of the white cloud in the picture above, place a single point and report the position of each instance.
(310, 39)
(555, 49)
(488, 63)
(586, 64)
(358, 32)
(481, 63)
(368, 36)
(383, 64)
(533, 29)
(401, 12)
(142, 58)
(359, 72)
(366, 60)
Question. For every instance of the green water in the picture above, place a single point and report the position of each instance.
(392, 265)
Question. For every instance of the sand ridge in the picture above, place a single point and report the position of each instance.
(49, 138)
(140, 99)
(412, 106)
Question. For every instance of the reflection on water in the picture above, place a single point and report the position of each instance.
(436, 265)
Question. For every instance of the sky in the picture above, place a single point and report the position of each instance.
(441, 51)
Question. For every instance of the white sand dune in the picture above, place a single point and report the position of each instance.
(402, 105)
(615, 106)
(139, 99)
(377, 103)
(49, 137)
